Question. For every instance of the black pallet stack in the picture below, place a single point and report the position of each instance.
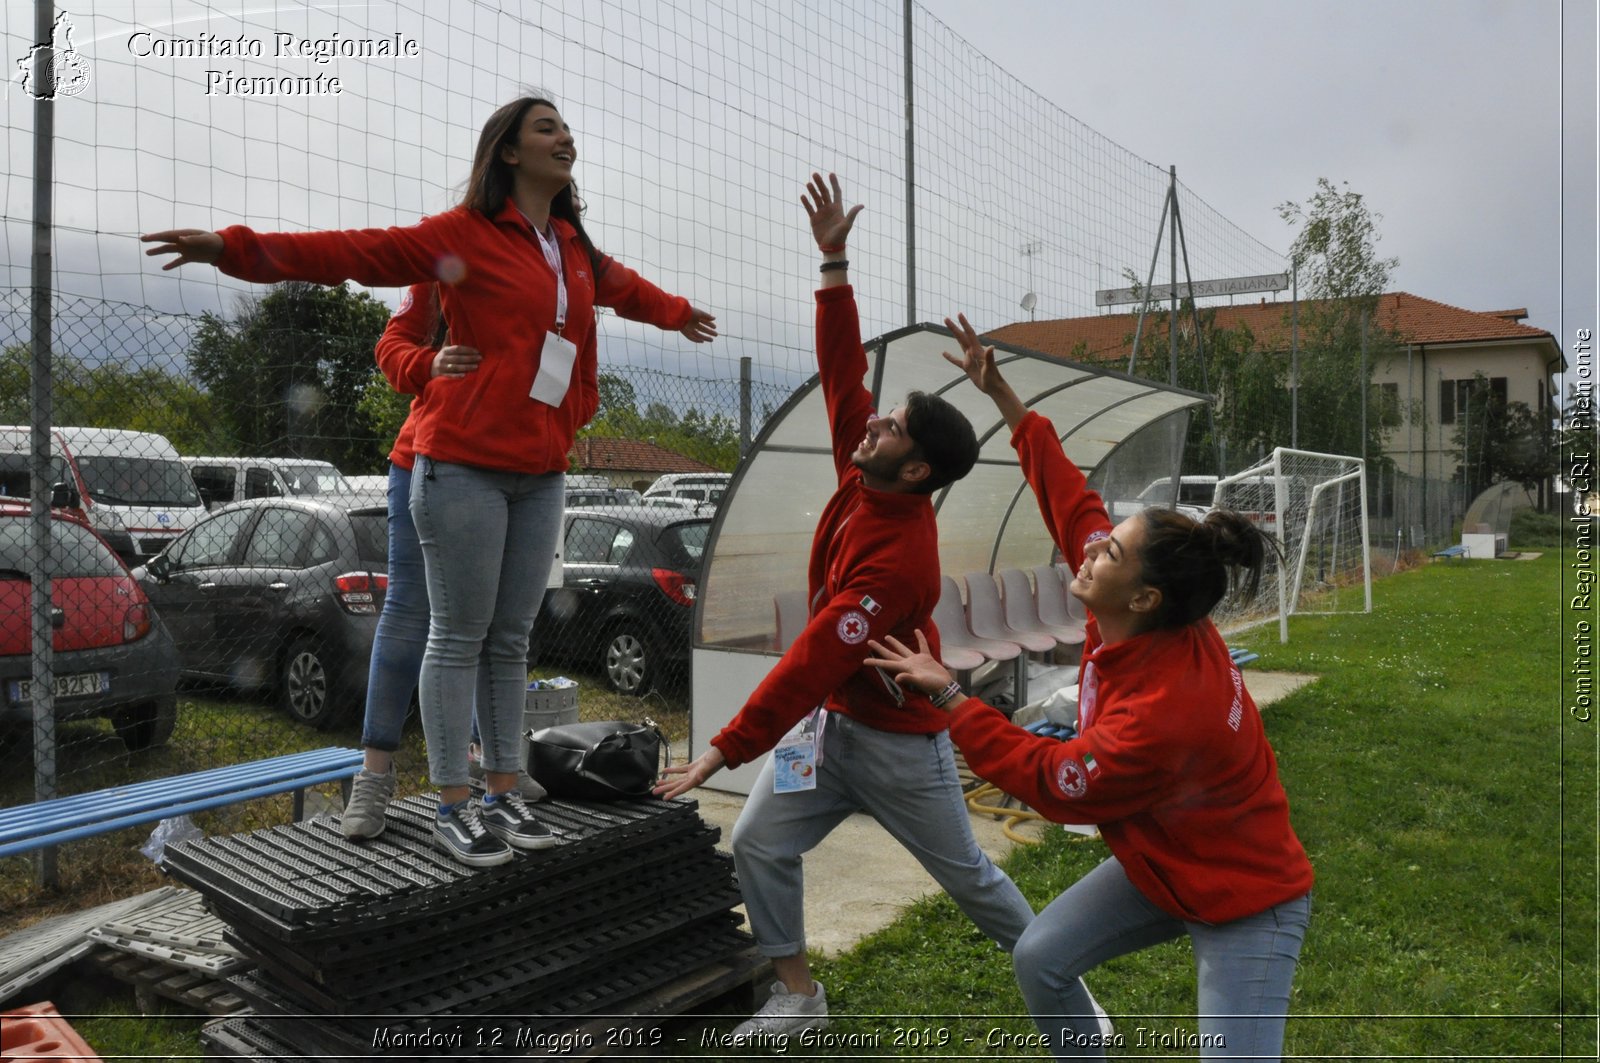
(391, 947)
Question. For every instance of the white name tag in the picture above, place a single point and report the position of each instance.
(797, 756)
(555, 370)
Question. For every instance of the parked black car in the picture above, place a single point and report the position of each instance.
(111, 655)
(278, 593)
(628, 587)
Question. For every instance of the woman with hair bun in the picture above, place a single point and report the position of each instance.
(1171, 763)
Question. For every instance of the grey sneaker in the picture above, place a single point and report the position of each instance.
(784, 1013)
(461, 833)
(508, 818)
(370, 795)
(530, 790)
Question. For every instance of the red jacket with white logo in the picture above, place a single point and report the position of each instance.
(874, 571)
(498, 294)
(1172, 763)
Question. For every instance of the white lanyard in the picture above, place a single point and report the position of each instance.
(552, 254)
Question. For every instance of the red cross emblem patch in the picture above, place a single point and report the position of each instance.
(853, 628)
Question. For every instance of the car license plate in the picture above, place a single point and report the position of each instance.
(78, 685)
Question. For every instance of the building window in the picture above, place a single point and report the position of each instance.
(1453, 396)
(1386, 404)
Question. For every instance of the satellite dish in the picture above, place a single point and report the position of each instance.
(1029, 301)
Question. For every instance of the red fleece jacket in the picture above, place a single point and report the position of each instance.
(499, 295)
(1172, 763)
(405, 356)
(874, 571)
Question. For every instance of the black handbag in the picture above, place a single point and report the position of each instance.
(605, 761)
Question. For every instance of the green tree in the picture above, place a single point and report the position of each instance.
(1497, 440)
(1342, 340)
(711, 439)
(288, 373)
(112, 394)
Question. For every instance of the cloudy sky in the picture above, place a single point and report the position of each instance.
(1449, 116)
(1045, 128)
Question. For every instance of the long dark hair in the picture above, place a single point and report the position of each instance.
(490, 181)
(1194, 563)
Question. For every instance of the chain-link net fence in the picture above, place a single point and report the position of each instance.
(187, 392)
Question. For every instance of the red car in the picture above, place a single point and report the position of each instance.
(113, 657)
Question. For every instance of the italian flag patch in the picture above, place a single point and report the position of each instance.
(1090, 765)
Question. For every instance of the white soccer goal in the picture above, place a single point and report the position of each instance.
(1316, 505)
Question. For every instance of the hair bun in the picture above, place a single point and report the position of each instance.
(1235, 539)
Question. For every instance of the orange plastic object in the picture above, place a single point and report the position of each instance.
(39, 1032)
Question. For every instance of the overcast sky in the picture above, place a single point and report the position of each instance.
(1449, 116)
(1045, 128)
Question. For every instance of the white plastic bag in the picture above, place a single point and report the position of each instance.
(167, 832)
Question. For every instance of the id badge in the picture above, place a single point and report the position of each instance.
(798, 755)
(555, 370)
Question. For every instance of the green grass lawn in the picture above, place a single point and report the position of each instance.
(1446, 798)
(1448, 803)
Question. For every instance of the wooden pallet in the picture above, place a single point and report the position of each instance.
(152, 979)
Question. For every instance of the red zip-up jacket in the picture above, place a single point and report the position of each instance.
(405, 357)
(874, 571)
(499, 295)
(1173, 763)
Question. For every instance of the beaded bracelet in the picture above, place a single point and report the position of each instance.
(947, 695)
(843, 263)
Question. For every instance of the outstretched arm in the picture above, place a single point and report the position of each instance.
(830, 226)
(189, 245)
(977, 361)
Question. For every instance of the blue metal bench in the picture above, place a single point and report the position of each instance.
(47, 823)
(1452, 553)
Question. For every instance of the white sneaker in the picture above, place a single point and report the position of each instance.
(1107, 1031)
(784, 1013)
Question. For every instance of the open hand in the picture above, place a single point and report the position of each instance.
(977, 360)
(830, 222)
(681, 778)
(190, 245)
(913, 669)
(702, 326)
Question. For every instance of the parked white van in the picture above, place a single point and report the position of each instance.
(131, 486)
(693, 486)
(224, 480)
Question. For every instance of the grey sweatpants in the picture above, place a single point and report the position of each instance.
(909, 784)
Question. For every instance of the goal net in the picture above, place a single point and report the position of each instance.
(1315, 504)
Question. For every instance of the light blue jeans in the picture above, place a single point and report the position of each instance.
(488, 539)
(1245, 967)
(909, 784)
(402, 634)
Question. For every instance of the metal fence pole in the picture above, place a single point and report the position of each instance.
(44, 707)
(744, 405)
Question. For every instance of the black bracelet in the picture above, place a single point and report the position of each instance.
(841, 263)
(946, 696)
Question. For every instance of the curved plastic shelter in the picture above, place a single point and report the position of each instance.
(1126, 434)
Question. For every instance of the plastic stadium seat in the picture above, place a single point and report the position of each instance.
(988, 619)
(1061, 613)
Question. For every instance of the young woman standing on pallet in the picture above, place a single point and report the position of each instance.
(1172, 762)
(518, 279)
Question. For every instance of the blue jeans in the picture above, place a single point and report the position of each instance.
(909, 784)
(488, 539)
(402, 632)
(1245, 967)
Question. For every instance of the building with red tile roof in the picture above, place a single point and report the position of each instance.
(1442, 347)
(631, 463)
